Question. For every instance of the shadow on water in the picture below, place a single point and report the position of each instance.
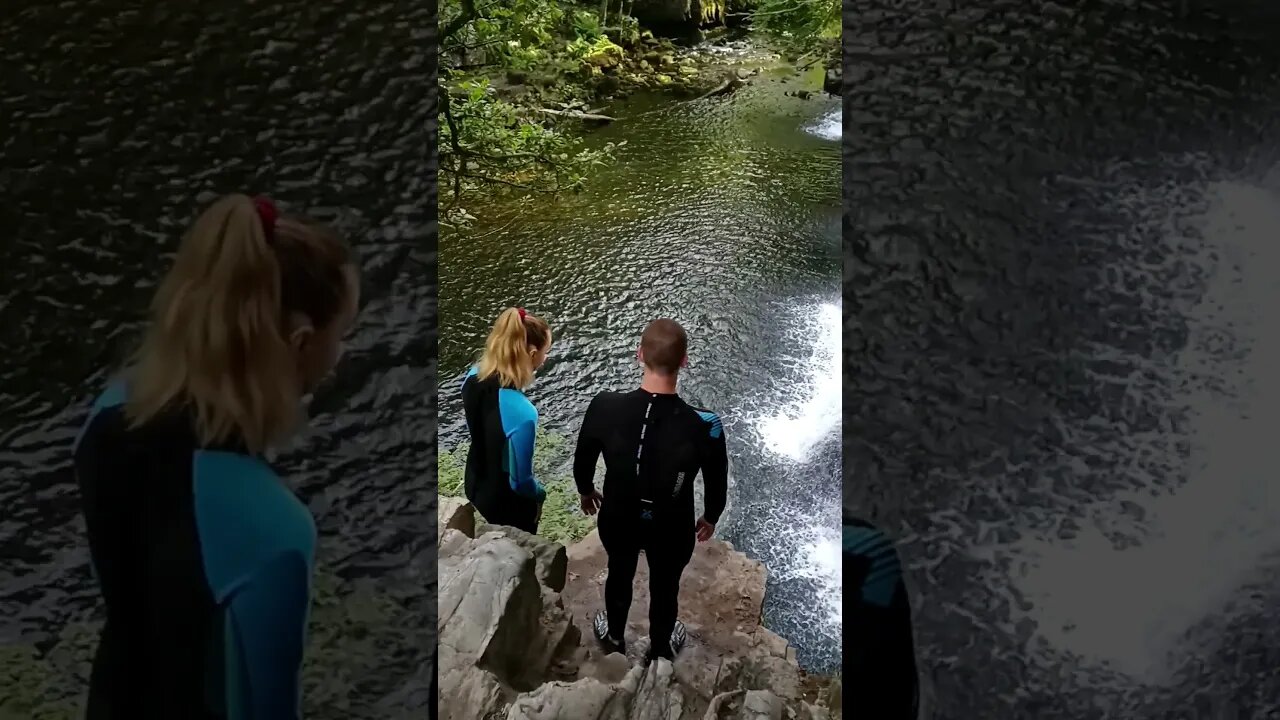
(120, 120)
(722, 213)
(1061, 242)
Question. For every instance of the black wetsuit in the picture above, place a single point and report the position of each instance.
(499, 479)
(879, 651)
(204, 559)
(653, 446)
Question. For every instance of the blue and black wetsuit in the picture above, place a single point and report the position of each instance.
(499, 477)
(653, 446)
(204, 559)
(879, 653)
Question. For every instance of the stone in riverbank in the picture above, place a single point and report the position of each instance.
(512, 646)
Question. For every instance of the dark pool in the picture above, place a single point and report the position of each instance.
(118, 120)
(1059, 367)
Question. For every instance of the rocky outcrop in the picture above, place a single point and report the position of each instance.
(515, 609)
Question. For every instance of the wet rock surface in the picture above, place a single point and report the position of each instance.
(513, 647)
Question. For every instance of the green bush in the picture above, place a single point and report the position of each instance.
(562, 518)
(354, 626)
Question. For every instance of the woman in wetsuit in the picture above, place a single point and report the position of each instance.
(203, 555)
(499, 479)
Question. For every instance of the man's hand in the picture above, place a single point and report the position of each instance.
(591, 502)
(703, 529)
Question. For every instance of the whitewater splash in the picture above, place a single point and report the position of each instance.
(810, 410)
(808, 415)
(830, 126)
(1202, 543)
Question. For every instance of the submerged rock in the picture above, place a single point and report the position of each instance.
(514, 609)
(832, 82)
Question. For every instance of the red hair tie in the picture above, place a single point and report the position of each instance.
(523, 314)
(268, 214)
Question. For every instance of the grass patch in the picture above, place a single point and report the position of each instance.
(562, 518)
(363, 642)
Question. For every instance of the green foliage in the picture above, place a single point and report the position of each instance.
(626, 31)
(489, 144)
(353, 627)
(562, 518)
(802, 24)
(599, 51)
(586, 25)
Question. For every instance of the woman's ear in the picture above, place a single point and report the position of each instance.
(301, 336)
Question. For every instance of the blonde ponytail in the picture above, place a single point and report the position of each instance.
(508, 352)
(217, 343)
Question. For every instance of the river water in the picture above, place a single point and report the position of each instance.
(118, 120)
(723, 213)
(1060, 374)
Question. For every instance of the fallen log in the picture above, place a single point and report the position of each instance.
(729, 85)
(577, 115)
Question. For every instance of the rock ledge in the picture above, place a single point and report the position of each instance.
(515, 640)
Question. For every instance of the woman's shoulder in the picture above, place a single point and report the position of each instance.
(516, 406)
(247, 516)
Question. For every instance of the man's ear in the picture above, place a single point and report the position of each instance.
(684, 361)
(640, 355)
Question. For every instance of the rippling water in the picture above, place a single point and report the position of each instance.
(722, 213)
(1061, 244)
(120, 119)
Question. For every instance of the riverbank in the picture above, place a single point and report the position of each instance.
(515, 613)
(580, 81)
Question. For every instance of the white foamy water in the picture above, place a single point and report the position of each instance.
(1130, 608)
(820, 562)
(809, 412)
(830, 126)
(807, 403)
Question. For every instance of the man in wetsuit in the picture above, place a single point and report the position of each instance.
(653, 443)
(879, 653)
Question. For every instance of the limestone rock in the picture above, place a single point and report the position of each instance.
(658, 697)
(488, 602)
(550, 558)
(511, 643)
(586, 699)
(761, 705)
(455, 513)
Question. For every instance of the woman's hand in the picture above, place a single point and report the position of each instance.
(591, 502)
(704, 529)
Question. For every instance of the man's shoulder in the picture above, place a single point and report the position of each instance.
(710, 419)
(608, 398)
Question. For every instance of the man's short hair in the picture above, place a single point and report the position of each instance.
(664, 345)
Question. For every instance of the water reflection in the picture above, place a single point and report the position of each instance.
(1053, 390)
(122, 119)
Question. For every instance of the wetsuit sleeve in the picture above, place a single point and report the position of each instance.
(715, 468)
(587, 454)
(520, 458)
(520, 425)
(266, 620)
